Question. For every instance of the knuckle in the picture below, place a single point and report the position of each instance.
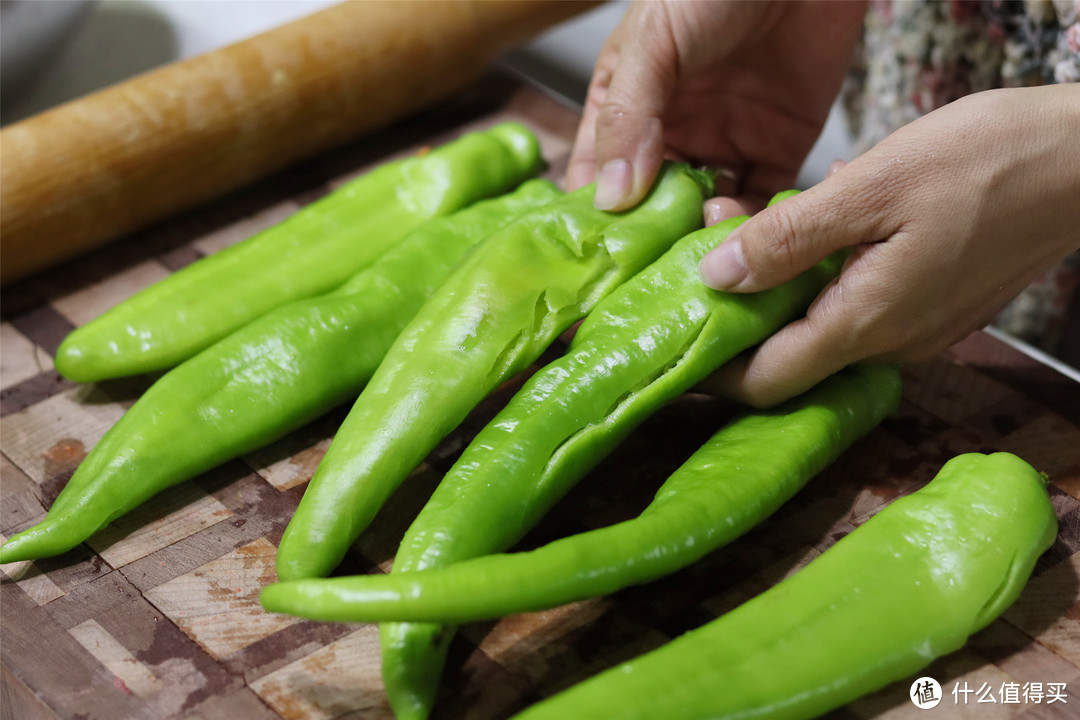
(859, 320)
(880, 333)
(868, 330)
(777, 228)
(613, 114)
(598, 88)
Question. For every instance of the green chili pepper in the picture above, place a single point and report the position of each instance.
(310, 253)
(739, 477)
(489, 321)
(651, 340)
(266, 379)
(911, 584)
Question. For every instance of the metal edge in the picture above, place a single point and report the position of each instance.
(1034, 353)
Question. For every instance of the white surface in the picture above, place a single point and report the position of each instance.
(120, 38)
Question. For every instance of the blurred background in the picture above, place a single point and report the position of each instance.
(56, 50)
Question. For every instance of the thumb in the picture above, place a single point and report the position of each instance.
(792, 236)
(629, 131)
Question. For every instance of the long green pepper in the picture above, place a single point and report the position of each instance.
(310, 253)
(651, 340)
(744, 473)
(495, 315)
(909, 585)
(270, 377)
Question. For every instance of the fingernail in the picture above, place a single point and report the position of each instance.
(724, 267)
(613, 184)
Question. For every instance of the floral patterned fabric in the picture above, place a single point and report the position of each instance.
(917, 55)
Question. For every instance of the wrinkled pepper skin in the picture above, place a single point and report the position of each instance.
(651, 340)
(746, 471)
(909, 585)
(494, 316)
(275, 374)
(310, 253)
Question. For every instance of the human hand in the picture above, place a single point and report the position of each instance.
(947, 219)
(745, 86)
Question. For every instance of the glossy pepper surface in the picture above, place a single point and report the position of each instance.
(651, 340)
(737, 479)
(494, 316)
(266, 379)
(310, 253)
(909, 585)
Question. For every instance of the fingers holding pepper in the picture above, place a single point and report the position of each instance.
(948, 219)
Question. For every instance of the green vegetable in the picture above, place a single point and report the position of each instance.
(739, 477)
(310, 253)
(912, 584)
(266, 379)
(651, 340)
(489, 321)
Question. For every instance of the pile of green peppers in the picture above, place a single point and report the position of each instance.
(492, 318)
(312, 252)
(420, 287)
(297, 360)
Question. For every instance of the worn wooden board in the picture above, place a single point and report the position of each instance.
(157, 617)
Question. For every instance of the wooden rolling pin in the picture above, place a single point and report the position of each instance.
(86, 172)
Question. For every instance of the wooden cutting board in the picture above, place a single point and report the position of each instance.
(158, 616)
